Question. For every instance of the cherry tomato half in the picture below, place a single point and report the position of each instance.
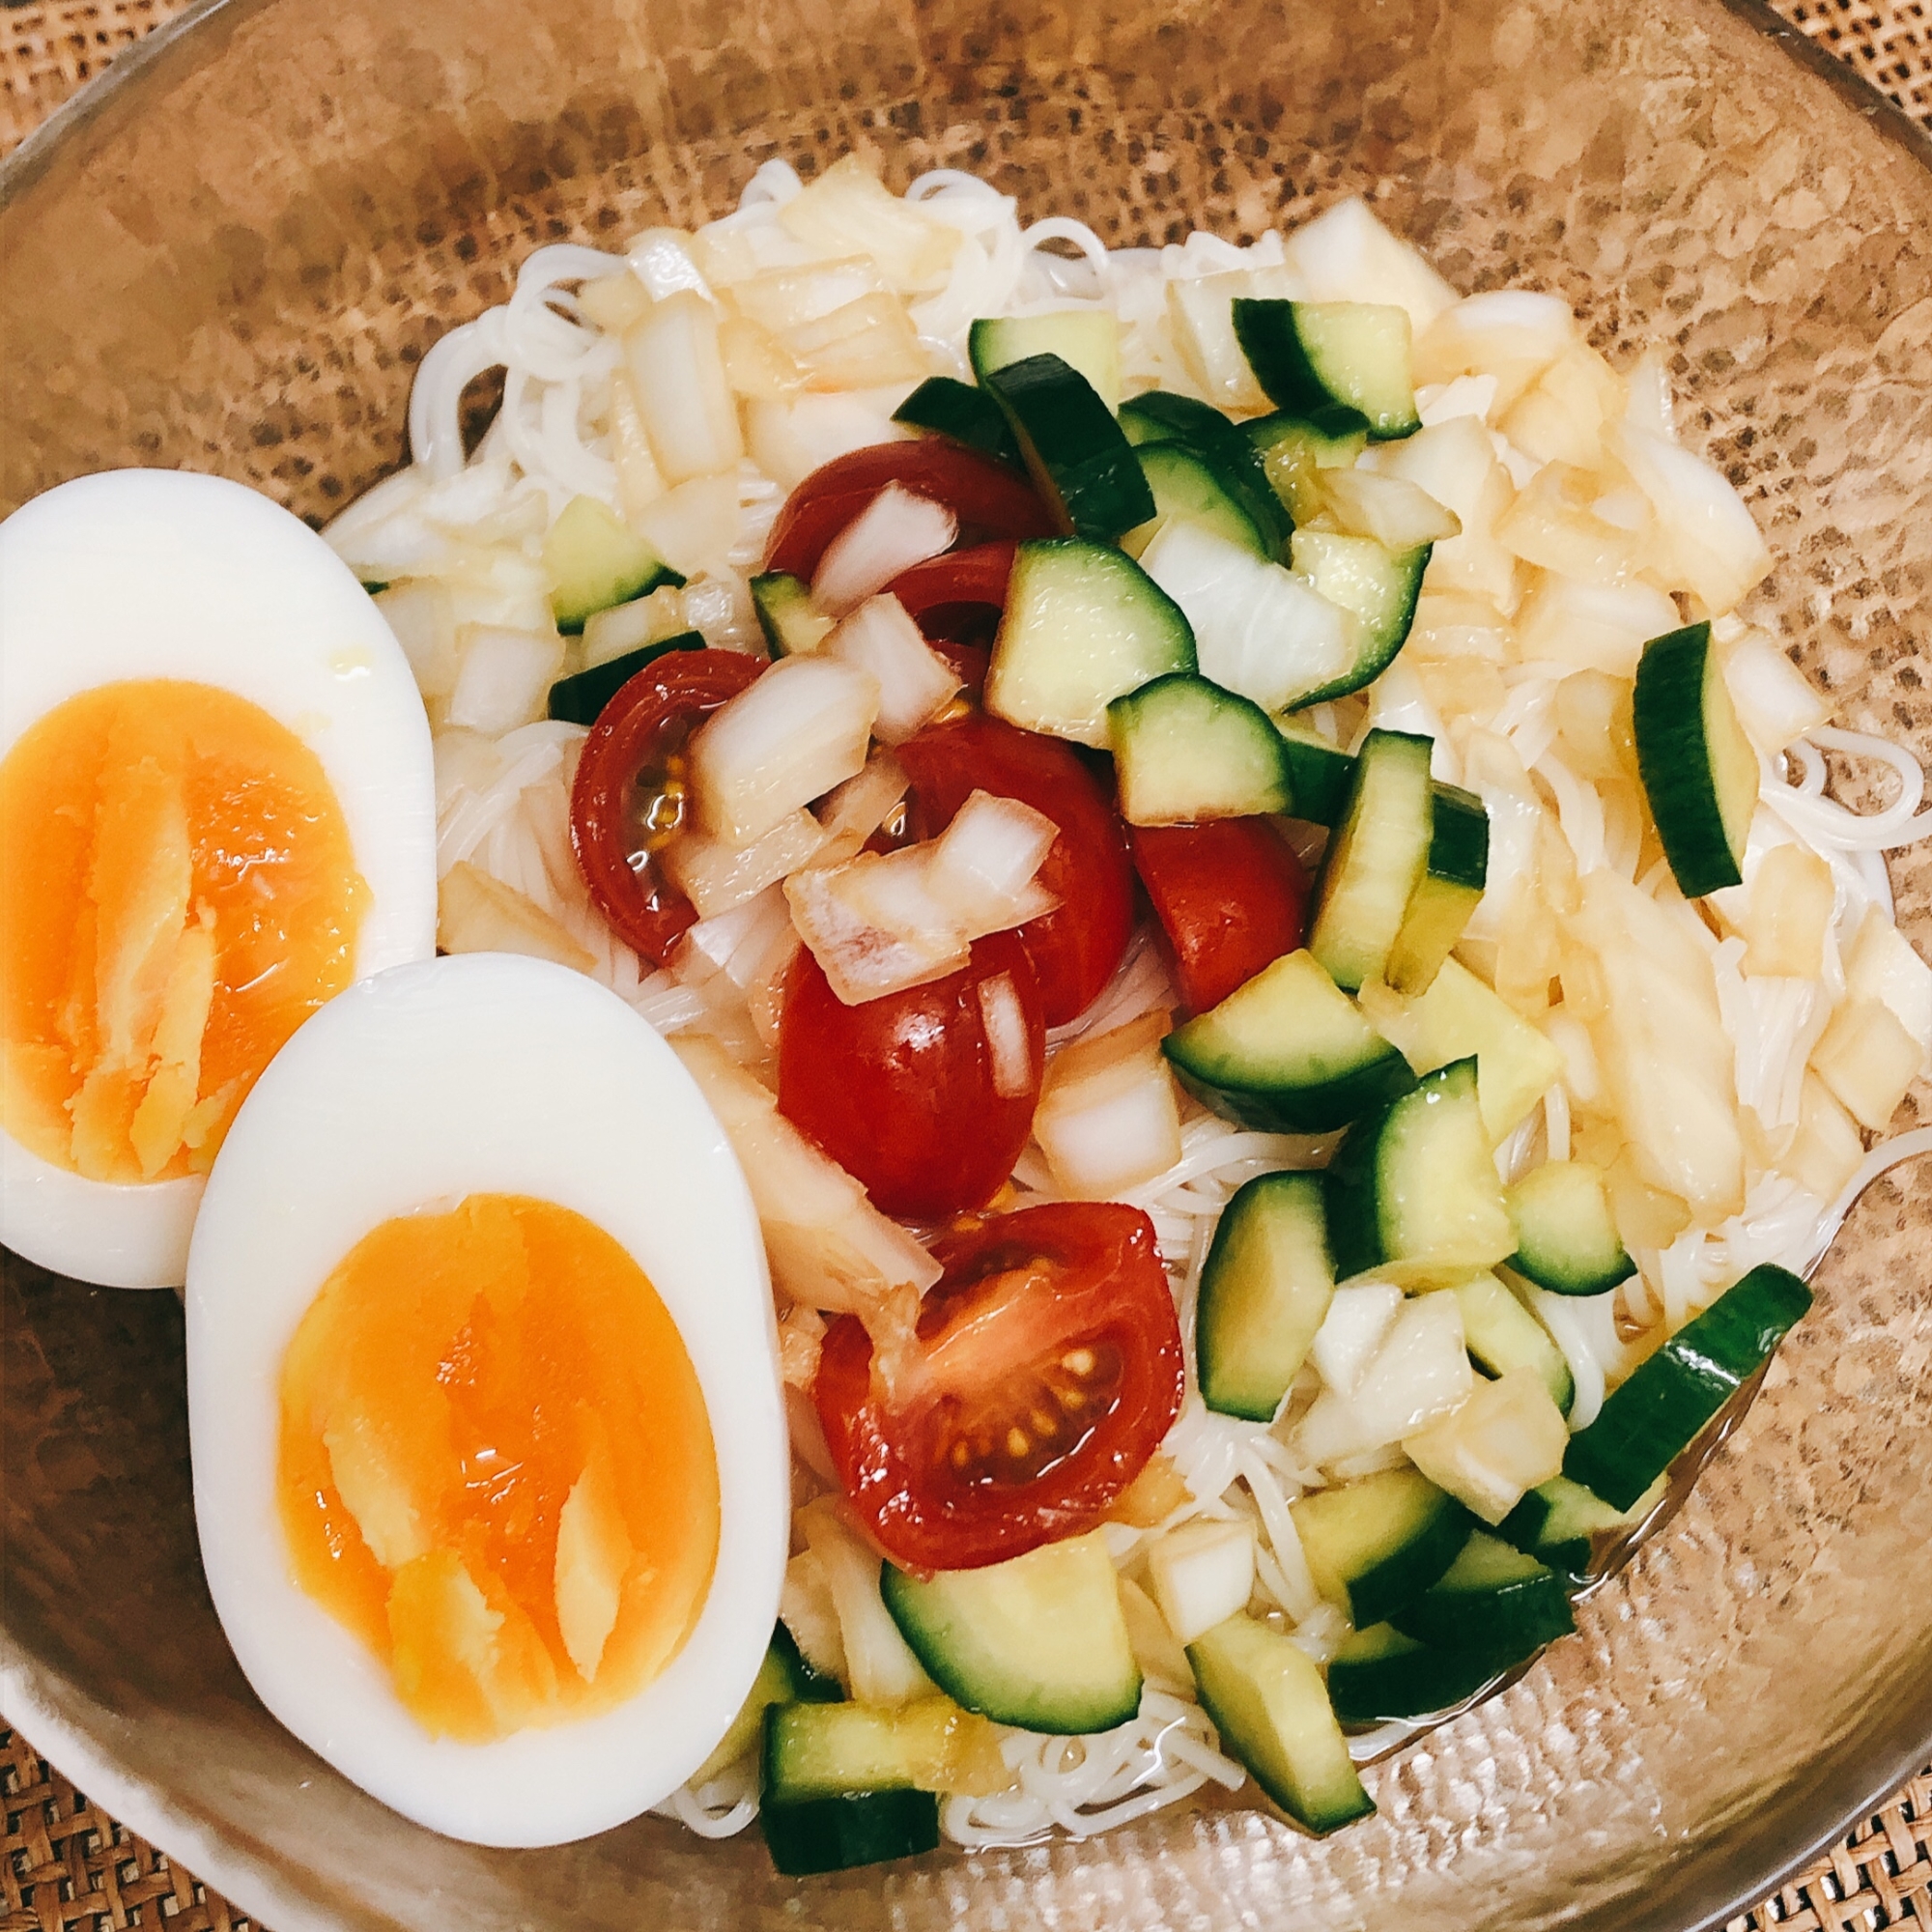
(1230, 896)
(629, 795)
(1076, 946)
(956, 601)
(899, 1091)
(1046, 1370)
(989, 499)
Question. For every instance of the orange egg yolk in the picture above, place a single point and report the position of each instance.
(497, 1465)
(178, 894)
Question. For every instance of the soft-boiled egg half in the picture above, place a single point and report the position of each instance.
(490, 1459)
(217, 811)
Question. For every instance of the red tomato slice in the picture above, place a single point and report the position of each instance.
(989, 499)
(899, 1091)
(629, 794)
(957, 600)
(1045, 1369)
(1075, 948)
(1230, 896)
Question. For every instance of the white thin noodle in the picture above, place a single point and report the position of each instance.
(504, 806)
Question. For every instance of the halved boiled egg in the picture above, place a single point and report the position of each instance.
(490, 1459)
(217, 811)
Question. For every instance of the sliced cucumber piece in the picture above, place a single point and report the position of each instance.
(1699, 769)
(1659, 1412)
(1264, 1290)
(1084, 624)
(1079, 460)
(1158, 418)
(1319, 771)
(1037, 1641)
(1378, 586)
(1185, 750)
(1377, 1544)
(1268, 1703)
(792, 623)
(1492, 1597)
(1294, 447)
(594, 561)
(1188, 484)
(1375, 860)
(1559, 1522)
(856, 1827)
(1446, 896)
(1311, 355)
(961, 413)
(1566, 1236)
(579, 698)
(1086, 339)
(1412, 1190)
(1502, 1335)
(1288, 1052)
(783, 1678)
(1380, 1674)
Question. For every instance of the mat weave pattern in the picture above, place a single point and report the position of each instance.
(65, 1866)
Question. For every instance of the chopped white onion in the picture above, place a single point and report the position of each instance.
(873, 925)
(858, 807)
(733, 943)
(502, 679)
(1592, 626)
(677, 376)
(478, 913)
(914, 682)
(1258, 629)
(1775, 700)
(1202, 1573)
(1345, 254)
(881, 1667)
(791, 440)
(895, 530)
(695, 526)
(1356, 1324)
(424, 621)
(982, 864)
(1701, 520)
(1107, 1118)
(784, 741)
(1391, 509)
(1008, 1046)
(715, 877)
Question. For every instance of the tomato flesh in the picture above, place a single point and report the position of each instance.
(629, 798)
(900, 1092)
(1045, 1369)
(1077, 947)
(1230, 894)
(989, 499)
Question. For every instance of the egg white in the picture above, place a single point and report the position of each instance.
(480, 1074)
(156, 573)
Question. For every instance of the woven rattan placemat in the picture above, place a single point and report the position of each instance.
(65, 1866)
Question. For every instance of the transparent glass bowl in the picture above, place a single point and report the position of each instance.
(230, 258)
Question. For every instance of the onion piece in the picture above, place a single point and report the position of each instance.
(881, 1667)
(424, 621)
(848, 210)
(982, 865)
(874, 924)
(677, 377)
(478, 913)
(1701, 520)
(1107, 1119)
(828, 1247)
(1775, 699)
(1345, 254)
(1512, 334)
(781, 298)
(914, 682)
(856, 810)
(1258, 629)
(715, 877)
(502, 678)
(1005, 1021)
(791, 440)
(895, 530)
(867, 343)
(801, 729)
(733, 943)
(1391, 509)
(765, 990)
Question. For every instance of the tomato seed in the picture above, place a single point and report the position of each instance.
(1016, 1444)
(1078, 1361)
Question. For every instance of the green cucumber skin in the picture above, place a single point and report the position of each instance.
(1212, 1340)
(578, 699)
(1156, 417)
(1557, 1523)
(1518, 1615)
(1073, 448)
(1668, 717)
(1269, 334)
(1187, 482)
(1320, 774)
(1658, 1413)
(1388, 1587)
(1305, 1110)
(960, 414)
(1230, 718)
(1386, 642)
(1412, 1681)
(1560, 1280)
(861, 1828)
(1458, 838)
(807, 1685)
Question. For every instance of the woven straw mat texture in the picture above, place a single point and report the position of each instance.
(65, 1866)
